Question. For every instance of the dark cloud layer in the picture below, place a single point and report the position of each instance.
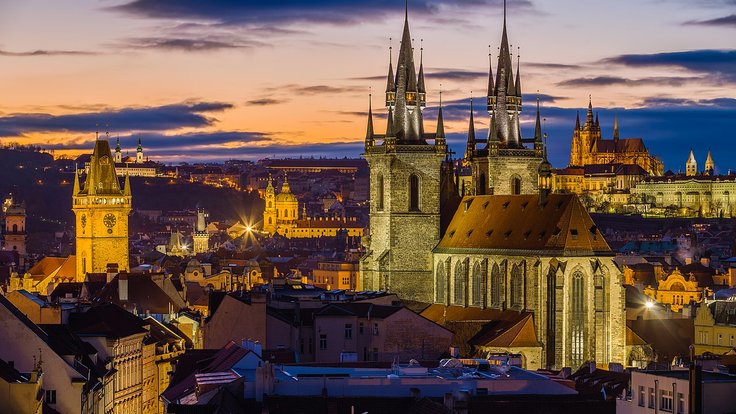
(727, 21)
(36, 53)
(200, 44)
(291, 11)
(620, 81)
(266, 102)
(719, 65)
(161, 118)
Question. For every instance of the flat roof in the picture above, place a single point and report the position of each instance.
(684, 374)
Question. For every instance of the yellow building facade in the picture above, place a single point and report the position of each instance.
(715, 328)
(676, 290)
(101, 208)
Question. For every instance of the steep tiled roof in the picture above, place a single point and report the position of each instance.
(362, 310)
(106, 320)
(561, 225)
(510, 333)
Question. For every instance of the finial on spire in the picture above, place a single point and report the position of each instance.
(406, 10)
(504, 12)
(97, 131)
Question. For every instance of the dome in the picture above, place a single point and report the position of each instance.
(286, 198)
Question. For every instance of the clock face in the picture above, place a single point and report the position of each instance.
(84, 220)
(109, 220)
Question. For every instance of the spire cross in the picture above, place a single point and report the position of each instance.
(440, 94)
(504, 12)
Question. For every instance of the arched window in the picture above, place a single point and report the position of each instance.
(379, 192)
(286, 213)
(515, 185)
(477, 285)
(414, 192)
(270, 204)
(551, 316)
(496, 286)
(577, 348)
(269, 221)
(517, 288)
(460, 283)
(15, 228)
(440, 288)
(482, 185)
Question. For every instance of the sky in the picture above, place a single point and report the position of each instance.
(220, 79)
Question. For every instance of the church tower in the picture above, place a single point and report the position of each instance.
(269, 214)
(15, 229)
(118, 152)
(408, 176)
(101, 209)
(710, 166)
(504, 165)
(139, 153)
(200, 236)
(691, 166)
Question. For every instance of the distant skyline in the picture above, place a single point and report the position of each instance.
(220, 79)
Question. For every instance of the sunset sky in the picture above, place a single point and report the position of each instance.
(219, 79)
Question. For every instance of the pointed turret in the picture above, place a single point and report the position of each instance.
(615, 128)
(369, 136)
(127, 190)
(390, 124)
(691, 167)
(538, 125)
(101, 178)
(390, 82)
(597, 123)
(470, 146)
(518, 76)
(491, 92)
(440, 122)
(710, 166)
(545, 175)
(589, 120)
(420, 82)
(139, 152)
(504, 61)
(75, 191)
(577, 121)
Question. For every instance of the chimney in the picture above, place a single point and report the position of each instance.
(123, 287)
(112, 270)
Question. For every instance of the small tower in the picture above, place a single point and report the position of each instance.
(710, 166)
(691, 167)
(15, 228)
(470, 146)
(118, 152)
(200, 236)
(269, 214)
(545, 176)
(139, 153)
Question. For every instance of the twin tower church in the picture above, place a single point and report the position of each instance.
(510, 247)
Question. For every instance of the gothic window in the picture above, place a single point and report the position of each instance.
(477, 285)
(414, 192)
(269, 204)
(551, 315)
(517, 288)
(495, 286)
(482, 185)
(578, 320)
(379, 191)
(269, 220)
(515, 185)
(459, 283)
(440, 288)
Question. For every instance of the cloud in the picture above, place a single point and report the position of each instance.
(160, 118)
(719, 64)
(259, 12)
(187, 44)
(307, 89)
(455, 75)
(266, 102)
(543, 65)
(620, 81)
(36, 53)
(727, 21)
(181, 142)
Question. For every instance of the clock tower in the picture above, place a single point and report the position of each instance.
(101, 208)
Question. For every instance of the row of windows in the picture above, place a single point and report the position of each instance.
(414, 187)
(475, 284)
(348, 334)
(666, 400)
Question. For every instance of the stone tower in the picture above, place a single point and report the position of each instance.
(504, 165)
(269, 214)
(710, 166)
(585, 137)
(15, 229)
(101, 209)
(139, 153)
(409, 181)
(200, 236)
(691, 166)
(118, 152)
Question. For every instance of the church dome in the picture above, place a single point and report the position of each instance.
(286, 198)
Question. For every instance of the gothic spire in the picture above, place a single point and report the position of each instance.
(127, 190)
(589, 119)
(75, 191)
(538, 125)
(518, 75)
(490, 80)
(597, 123)
(101, 178)
(470, 147)
(504, 60)
(577, 121)
(615, 127)
(390, 124)
(420, 82)
(369, 130)
(390, 81)
(440, 122)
